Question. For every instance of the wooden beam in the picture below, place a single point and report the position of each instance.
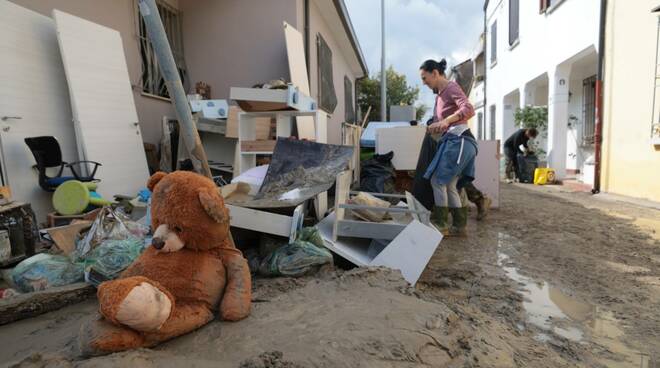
(258, 146)
(33, 304)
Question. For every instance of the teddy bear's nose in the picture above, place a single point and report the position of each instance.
(158, 243)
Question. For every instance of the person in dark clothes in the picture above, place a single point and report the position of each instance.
(517, 143)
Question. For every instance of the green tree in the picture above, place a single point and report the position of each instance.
(398, 93)
(532, 117)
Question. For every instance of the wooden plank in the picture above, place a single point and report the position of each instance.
(405, 142)
(103, 104)
(261, 221)
(33, 304)
(487, 167)
(410, 251)
(342, 188)
(295, 50)
(258, 146)
(369, 230)
(65, 236)
(232, 122)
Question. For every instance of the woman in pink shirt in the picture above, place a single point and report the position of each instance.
(453, 163)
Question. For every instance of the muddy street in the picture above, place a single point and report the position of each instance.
(574, 271)
(553, 279)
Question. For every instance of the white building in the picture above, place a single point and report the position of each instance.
(544, 54)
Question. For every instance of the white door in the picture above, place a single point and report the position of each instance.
(102, 103)
(34, 100)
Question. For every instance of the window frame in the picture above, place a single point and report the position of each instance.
(513, 41)
(151, 81)
(493, 43)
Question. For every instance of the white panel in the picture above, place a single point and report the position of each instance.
(261, 221)
(295, 50)
(33, 87)
(410, 251)
(102, 101)
(488, 171)
(405, 142)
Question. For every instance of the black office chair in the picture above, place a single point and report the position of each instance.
(47, 153)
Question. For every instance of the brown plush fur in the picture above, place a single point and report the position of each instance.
(208, 272)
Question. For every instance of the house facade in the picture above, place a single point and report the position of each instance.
(631, 100)
(230, 43)
(544, 54)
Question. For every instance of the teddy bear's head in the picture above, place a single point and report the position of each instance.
(188, 211)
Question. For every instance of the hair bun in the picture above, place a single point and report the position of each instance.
(443, 63)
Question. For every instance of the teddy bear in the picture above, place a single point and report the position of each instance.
(191, 270)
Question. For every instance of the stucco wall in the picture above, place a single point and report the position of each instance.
(630, 163)
(120, 15)
(236, 43)
(340, 68)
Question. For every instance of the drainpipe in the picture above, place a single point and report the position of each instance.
(485, 106)
(307, 32)
(168, 67)
(598, 133)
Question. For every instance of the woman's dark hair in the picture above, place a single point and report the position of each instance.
(430, 65)
(532, 132)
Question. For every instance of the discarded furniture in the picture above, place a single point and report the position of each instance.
(34, 102)
(47, 153)
(105, 119)
(350, 136)
(20, 223)
(487, 167)
(405, 142)
(249, 147)
(368, 138)
(347, 225)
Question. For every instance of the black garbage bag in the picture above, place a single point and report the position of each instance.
(422, 189)
(377, 174)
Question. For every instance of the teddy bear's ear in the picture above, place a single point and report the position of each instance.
(214, 205)
(154, 179)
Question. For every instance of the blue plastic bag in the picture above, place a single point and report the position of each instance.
(43, 271)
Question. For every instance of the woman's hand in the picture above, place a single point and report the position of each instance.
(439, 127)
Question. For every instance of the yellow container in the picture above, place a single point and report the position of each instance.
(544, 175)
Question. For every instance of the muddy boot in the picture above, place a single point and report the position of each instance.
(459, 222)
(439, 218)
(483, 206)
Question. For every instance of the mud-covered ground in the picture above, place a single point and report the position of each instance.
(552, 279)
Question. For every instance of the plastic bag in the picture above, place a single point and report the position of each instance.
(299, 258)
(110, 258)
(43, 271)
(109, 225)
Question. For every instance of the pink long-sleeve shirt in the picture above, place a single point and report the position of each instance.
(451, 100)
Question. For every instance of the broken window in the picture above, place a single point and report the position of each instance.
(514, 21)
(349, 112)
(493, 43)
(151, 78)
(326, 92)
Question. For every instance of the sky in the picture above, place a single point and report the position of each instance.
(417, 30)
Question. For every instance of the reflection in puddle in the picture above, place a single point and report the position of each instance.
(551, 310)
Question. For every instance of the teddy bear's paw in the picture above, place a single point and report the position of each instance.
(145, 308)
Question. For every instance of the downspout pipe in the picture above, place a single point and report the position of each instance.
(165, 59)
(486, 55)
(598, 132)
(307, 35)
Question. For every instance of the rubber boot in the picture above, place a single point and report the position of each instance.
(439, 218)
(483, 206)
(459, 222)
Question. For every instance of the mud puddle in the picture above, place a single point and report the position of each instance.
(558, 315)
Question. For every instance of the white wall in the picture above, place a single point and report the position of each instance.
(562, 35)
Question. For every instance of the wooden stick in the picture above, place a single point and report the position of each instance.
(366, 116)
